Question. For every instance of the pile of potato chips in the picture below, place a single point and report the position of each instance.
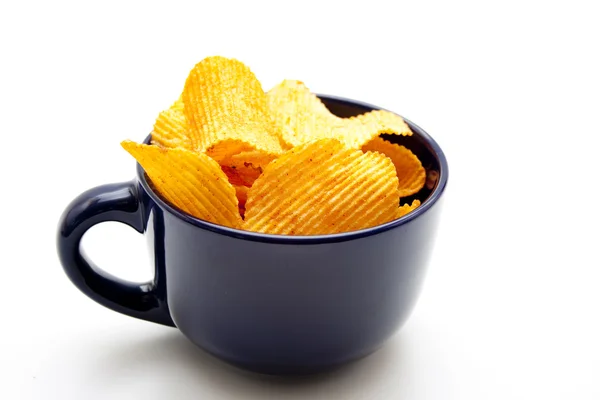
(276, 162)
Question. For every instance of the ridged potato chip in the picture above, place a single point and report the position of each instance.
(256, 158)
(405, 209)
(171, 128)
(242, 175)
(226, 110)
(190, 181)
(302, 117)
(225, 148)
(411, 174)
(243, 168)
(323, 187)
(242, 194)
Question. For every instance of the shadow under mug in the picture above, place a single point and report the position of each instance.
(268, 303)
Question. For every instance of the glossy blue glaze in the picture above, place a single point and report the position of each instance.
(268, 303)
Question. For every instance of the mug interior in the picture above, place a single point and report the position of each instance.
(420, 143)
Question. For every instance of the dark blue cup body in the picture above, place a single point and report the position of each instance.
(267, 303)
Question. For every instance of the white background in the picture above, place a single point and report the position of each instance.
(511, 91)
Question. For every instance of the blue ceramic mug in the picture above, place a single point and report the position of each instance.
(268, 303)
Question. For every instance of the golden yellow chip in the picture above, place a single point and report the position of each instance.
(243, 168)
(190, 181)
(256, 158)
(411, 174)
(226, 110)
(302, 117)
(405, 209)
(323, 187)
(242, 175)
(224, 149)
(171, 129)
(242, 194)
(298, 113)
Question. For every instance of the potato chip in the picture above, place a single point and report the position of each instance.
(432, 179)
(226, 110)
(323, 187)
(243, 168)
(411, 174)
(225, 148)
(302, 117)
(242, 194)
(298, 113)
(256, 158)
(405, 209)
(242, 175)
(190, 181)
(171, 128)
(380, 121)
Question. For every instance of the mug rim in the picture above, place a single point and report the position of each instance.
(317, 239)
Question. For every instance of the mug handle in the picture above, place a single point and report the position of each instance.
(118, 202)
